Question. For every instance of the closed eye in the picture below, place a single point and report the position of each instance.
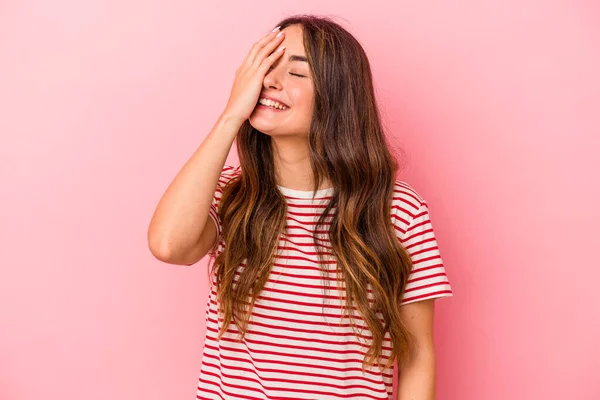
(291, 73)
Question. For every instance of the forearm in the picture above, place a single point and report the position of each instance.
(179, 218)
(416, 380)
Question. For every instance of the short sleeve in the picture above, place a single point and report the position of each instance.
(427, 279)
(227, 173)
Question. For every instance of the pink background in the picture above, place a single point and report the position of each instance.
(102, 102)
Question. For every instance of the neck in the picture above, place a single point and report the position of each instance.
(292, 164)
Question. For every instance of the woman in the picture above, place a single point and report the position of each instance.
(335, 258)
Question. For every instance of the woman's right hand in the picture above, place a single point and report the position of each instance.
(249, 77)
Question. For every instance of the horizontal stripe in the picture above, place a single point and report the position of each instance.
(299, 342)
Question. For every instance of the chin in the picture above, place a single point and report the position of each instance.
(266, 127)
(273, 129)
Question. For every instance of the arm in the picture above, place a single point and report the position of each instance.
(417, 378)
(176, 233)
(179, 219)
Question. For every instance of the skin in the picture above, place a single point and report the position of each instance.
(289, 132)
(417, 379)
(289, 129)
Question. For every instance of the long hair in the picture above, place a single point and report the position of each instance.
(348, 146)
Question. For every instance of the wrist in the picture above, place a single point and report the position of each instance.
(230, 122)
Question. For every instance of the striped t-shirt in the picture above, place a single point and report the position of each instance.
(297, 346)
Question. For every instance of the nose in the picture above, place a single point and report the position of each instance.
(272, 79)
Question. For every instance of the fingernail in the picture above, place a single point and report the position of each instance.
(276, 28)
(279, 34)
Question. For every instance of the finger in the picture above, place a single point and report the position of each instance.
(267, 49)
(267, 62)
(259, 45)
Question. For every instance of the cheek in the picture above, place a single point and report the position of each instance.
(302, 98)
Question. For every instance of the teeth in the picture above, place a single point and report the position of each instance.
(273, 104)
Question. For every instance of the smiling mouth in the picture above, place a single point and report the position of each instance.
(264, 107)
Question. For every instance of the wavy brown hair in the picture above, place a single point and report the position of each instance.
(348, 146)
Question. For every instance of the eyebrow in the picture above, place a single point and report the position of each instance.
(295, 57)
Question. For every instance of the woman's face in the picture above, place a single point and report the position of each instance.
(289, 81)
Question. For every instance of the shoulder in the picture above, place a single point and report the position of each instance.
(228, 173)
(407, 204)
(406, 201)
(231, 170)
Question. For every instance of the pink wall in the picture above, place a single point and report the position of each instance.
(101, 103)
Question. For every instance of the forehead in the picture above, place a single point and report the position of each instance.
(294, 44)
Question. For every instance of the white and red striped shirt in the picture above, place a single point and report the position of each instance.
(297, 346)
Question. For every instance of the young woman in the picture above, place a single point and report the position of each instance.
(325, 265)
